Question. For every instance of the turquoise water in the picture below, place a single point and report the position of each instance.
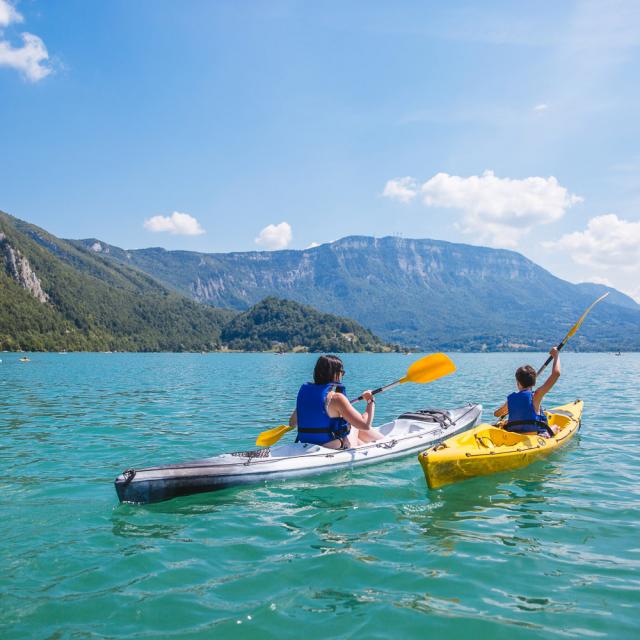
(551, 550)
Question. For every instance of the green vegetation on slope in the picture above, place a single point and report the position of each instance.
(57, 295)
(285, 325)
(93, 305)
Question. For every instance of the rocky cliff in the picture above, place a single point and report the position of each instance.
(18, 268)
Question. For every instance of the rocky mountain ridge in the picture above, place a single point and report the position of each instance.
(421, 293)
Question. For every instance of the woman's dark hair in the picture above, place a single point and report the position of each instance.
(526, 376)
(327, 369)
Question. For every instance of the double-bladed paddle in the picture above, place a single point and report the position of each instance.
(425, 370)
(573, 329)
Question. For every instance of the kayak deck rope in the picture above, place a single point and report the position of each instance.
(259, 453)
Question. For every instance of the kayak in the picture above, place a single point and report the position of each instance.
(488, 448)
(407, 434)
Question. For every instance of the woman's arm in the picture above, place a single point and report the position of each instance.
(341, 405)
(293, 420)
(549, 382)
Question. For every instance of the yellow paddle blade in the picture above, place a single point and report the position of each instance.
(267, 438)
(430, 368)
(576, 326)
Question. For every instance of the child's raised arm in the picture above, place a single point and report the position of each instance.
(549, 382)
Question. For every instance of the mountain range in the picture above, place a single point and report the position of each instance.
(424, 294)
(58, 295)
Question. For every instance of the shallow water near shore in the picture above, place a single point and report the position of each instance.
(550, 550)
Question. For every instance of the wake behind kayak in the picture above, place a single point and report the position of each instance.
(407, 434)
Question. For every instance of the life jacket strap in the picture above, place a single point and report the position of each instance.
(536, 423)
(337, 433)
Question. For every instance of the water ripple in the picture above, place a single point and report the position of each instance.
(551, 550)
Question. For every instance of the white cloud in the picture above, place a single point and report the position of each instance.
(180, 224)
(609, 245)
(30, 59)
(607, 242)
(8, 14)
(402, 189)
(541, 107)
(275, 236)
(499, 211)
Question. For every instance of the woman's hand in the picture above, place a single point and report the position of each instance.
(554, 353)
(368, 396)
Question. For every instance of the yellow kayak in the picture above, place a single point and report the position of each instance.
(487, 449)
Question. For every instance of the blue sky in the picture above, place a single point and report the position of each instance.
(220, 126)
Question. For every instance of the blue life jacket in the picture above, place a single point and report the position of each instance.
(315, 425)
(522, 414)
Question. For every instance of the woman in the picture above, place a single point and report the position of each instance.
(324, 414)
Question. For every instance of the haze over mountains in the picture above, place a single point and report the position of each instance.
(425, 294)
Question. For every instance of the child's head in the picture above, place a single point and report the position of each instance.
(526, 376)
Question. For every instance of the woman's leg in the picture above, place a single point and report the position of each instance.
(354, 437)
(333, 444)
(371, 435)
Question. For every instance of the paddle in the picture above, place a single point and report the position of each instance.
(425, 370)
(573, 329)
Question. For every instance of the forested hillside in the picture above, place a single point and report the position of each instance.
(56, 295)
(283, 325)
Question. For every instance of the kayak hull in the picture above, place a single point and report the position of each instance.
(407, 434)
(487, 449)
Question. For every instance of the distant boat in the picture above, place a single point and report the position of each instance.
(617, 354)
(25, 359)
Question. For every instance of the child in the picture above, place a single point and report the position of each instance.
(524, 406)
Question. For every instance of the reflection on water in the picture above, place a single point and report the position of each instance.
(126, 529)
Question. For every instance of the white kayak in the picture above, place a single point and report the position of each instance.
(409, 433)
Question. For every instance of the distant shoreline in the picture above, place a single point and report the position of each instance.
(344, 353)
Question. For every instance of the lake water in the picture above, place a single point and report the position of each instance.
(552, 550)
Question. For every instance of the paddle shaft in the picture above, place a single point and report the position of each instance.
(550, 358)
(572, 331)
(380, 389)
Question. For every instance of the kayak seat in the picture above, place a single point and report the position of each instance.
(494, 437)
(558, 420)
